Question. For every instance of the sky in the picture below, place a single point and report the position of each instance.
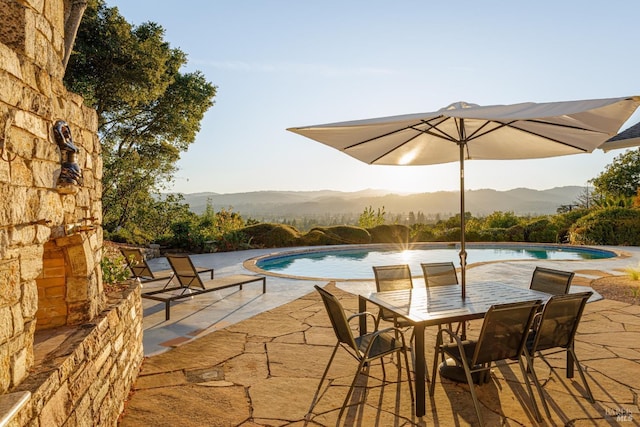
(289, 63)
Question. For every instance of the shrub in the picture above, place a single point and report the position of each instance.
(633, 273)
(541, 231)
(472, 236)
(345, 234)
(234, 240)
(394, 233)
(564, 221)
(317, 237)
(501, 219)
(515, 233)
(493, 235)
(187, 235)
(422, 233)
(448, 235)
(268, 235)
(123, 235)
(114, 267)
(610, 226)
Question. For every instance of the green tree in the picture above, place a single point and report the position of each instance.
(156, 217)
(148, 111)
(370, 218)
(499, 219)
(621, 178)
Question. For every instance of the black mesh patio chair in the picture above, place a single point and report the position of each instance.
(555, 329)
(554, 282)
(392, 278)
(439, 274)
(364, 348)
(502, 336)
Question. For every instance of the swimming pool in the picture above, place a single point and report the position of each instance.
(355, 262)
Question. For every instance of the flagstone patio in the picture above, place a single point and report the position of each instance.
(263, 371)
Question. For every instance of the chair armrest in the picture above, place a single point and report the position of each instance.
(364, 313)
(535, 324)
(396, 331)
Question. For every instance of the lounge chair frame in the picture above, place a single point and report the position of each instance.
(140, 269)
(191, 284)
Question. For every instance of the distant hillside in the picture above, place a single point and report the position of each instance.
(289, 204)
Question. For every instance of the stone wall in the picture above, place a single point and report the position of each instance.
(50, 234)
(85, 374)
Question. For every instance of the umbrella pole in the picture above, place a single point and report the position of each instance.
(463, 251)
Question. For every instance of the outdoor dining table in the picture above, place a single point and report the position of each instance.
(424, 307)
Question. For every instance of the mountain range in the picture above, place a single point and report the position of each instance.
(268, 205)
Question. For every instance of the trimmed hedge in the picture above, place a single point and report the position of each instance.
(268, 235)
(336, 235)
(610, 226)
(541, 231)
(394, 233)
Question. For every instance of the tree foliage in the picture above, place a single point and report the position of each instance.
(620, 179)
(370, 218)
(148, 111)
(499, 219)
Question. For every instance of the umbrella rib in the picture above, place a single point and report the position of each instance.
(476, 134)
(379, 137)
(440, 133)
(394, 148)
(412, 127)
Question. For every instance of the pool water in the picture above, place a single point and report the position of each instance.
(356, 263)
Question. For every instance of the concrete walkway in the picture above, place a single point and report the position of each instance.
(255, 360)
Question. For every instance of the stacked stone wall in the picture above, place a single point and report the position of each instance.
(50, 239)
(87, 377)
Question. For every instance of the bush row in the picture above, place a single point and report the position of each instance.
(226, 231)
(611, 226)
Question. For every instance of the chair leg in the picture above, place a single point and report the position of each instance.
(536, 411)
(581, 372)
(432, 386)
(450, 340)
(536, 382)
(324, 375)
(406, 361)
(472, 389)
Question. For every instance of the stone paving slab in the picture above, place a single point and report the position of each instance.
(263, 371)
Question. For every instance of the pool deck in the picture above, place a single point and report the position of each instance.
(196, 317)
(255, 360)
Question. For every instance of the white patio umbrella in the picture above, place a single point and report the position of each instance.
(465, 131)
(628, 138)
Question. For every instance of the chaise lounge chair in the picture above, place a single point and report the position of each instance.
(140, 270)
(191, 284)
